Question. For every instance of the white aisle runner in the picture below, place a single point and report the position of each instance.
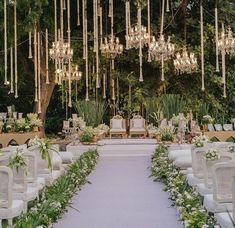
(121, 194)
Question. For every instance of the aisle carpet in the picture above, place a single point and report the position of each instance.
(121, 194)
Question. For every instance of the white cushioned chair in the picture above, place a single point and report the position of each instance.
(137, 126)
(9, 208)
(221, 199)
(117, 126)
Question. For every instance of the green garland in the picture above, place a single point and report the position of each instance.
(185, 198)
(57, 197)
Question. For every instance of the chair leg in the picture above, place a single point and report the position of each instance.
(10, 222)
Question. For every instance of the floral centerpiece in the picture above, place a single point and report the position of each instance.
(207, 119)
(87, 135)
(103, 127)
(212, 155)
(199, 141)
(45, 148)
(18, 161)
(34, 121)
(166, 133)
(20, 125)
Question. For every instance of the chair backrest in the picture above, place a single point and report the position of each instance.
(42, 165)
(207, 166)
(31, 166)
(211, 127)
(218, 127)
(228, 127)
(222, 174)
(197, 158)
(6, 179)
(19, 179)
(117, 122)
(137, 122)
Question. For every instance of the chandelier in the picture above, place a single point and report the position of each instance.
(185, 62)
(111, 47)
(136, 35)
(61, 51)
(161, 48)
(63, 74)
(227, 42)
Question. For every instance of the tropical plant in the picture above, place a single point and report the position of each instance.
(153, 109)
(87, 135)
(166, 133)
(91, 111)
(172, 104)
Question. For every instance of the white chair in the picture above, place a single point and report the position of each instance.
(42, 166)
(117, 126)
(32, 179)
(197, 156)
(221, 199)
(206, 187)
(218, 127)
(228, 127)
(9, 208)
(21, 190)
(137, 126)
(227, 219)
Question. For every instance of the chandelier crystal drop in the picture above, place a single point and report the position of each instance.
(161, 48)
(61, 51)
(135, 36)
(185, 62)
(226, 42)
(111, 47)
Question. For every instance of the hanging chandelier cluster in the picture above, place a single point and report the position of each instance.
(61, 52)
(161, 48)
(185, 62)
(137, 35)
(111, 47)
(75, 74)
(227, 42)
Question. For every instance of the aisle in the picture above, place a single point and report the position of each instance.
(121, 194)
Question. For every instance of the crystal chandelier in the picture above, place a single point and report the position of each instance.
(111, 47)
(161, 48)
(63, 74)
(61, 52)
(227, 42)
(185, 62)
(135, 36)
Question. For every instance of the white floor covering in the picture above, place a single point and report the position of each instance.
(121, 194)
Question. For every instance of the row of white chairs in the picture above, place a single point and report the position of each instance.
(18, 188)
(212, 179)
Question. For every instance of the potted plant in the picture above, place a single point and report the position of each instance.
(207, 119)
(87, 136)
(166, 134)
(34, 122)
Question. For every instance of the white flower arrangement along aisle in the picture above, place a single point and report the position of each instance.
(184, 197)
(57, 197)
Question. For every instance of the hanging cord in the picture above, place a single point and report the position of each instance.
(202, 47)
(216, 36)
(5, 41)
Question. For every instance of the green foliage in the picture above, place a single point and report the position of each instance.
(172, 104)
(57, 197)
(91, 111)
(87, 135)
(185, 198)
